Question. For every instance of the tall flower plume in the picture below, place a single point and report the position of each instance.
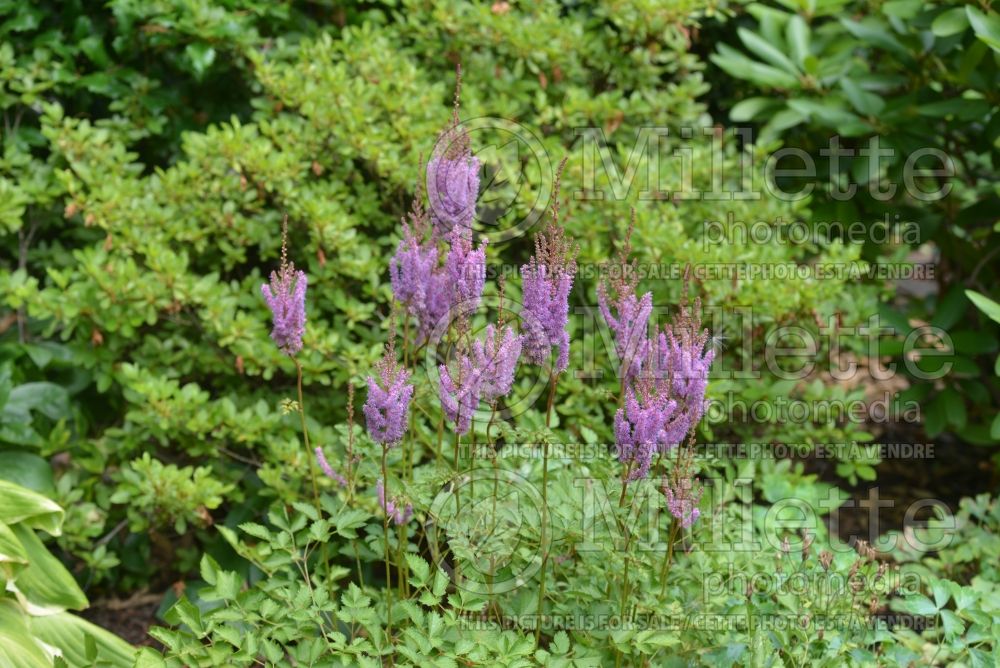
(663, 376)
(460, 388)
(453, 176)
(627, 316)
(639, 426)
(418, 281)
(465, 267)
(497, 354)
(286, 298)
(680, 361)
(388, 400)
(484, 373)
(546, 283)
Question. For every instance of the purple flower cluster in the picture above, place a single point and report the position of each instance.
(286, 299)
(327, 469)
(427, 281)
(682, 491)
(453, 186)
(453, 176)
(393, 508)
(466, 271)
(683, 502)
(388, 401)
(459, 392)
(639, 427)
(546, 283)
(683, 358)
(485, 373)
(664, 376)
(417, 280)
(629, 326)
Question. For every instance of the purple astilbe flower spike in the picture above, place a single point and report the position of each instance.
(680, 363)
(453, 186)
(417, 279)
(638, 426)
(392, 507)
(497, 354)
(286, 298)
(629, 328)
(546, 283)
(388, 399)
(453, 177)
(460, 392)
(327, 469)
(627, 316)
(466, 271)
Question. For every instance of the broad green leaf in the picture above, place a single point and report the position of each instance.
(986, 26)
(49, 399)
(28, 470)
(69, 633)
(17, 647)
(935, 417)
(950, 22)
(20, 504)
(44, 586)
(902, 9)
(747, 110)
(876, 33)
(767, 51)
(741, 67)
(985, 304)
(797, 34)
(950, 308)
(12, 555)
(916, 605)
(866, 103)
(201, 56)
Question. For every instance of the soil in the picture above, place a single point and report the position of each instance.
(128, 618)
(950, 471)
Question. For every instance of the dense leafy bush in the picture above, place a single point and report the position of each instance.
(906, 88)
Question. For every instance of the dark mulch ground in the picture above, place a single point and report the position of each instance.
(129, 618)
(954, 470)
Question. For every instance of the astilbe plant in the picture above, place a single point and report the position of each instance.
(392, 508)
(626, 315)
(453, 176)
(418, 281)
(286, 299)
(547, 280)
(388, 403)
(664, 376)
(639, 427)
(285, 296)
(459, 388)
(429, 281)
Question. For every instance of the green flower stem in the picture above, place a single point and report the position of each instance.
(545, 509)
(385, 526)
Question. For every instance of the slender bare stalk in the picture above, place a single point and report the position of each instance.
(385, 525)
(305, 437)
(545, 508)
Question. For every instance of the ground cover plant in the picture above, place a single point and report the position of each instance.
(499, 334)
